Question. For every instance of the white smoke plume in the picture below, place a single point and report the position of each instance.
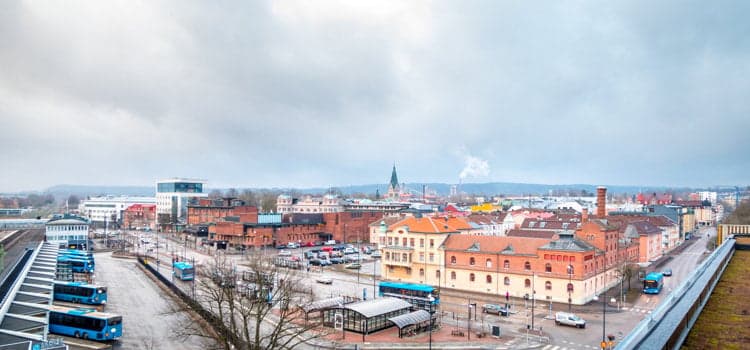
(474, 167)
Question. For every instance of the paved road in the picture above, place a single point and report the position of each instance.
(624, 320)
(146, 322)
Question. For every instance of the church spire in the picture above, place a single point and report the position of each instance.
(394, 178)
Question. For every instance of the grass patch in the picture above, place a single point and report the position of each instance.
(725, 321)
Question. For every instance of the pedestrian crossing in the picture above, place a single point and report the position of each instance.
(569, 346)
(638, 310)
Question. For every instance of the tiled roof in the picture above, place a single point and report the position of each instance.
(494, 244)
(548, 224)
(568, 242)
(389, 220)
(532, 233)
(425, 225)
(487, 219)
(660, 220)
(645, 228)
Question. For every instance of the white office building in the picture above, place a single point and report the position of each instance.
(98, 209)
(172, 196)
(64, 229)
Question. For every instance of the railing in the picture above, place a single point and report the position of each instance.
(668, 325)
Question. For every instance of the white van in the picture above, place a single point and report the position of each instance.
(568, 319)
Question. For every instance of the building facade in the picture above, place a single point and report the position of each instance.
(64, 229)
(110, 208)
(139, 216)
(172, 196)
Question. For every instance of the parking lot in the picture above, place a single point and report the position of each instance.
(148, 322)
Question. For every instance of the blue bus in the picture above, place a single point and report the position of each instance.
(76, 253)
(653, 283)
(417, 294)
(80, 292)
(183, 271)
(84, 323)
(76, 264)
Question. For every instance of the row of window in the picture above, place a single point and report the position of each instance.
(506, 264)
(64, 228)
(506, 281)
(409, 242)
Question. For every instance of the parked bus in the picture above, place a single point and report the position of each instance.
(84, 323)
(80, 292)
(77, 265)
(417, 294)
(653, 283)
(76, 254)
(183, 271)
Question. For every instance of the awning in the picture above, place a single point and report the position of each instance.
(323, 304)
(381, 306)
(411, 318)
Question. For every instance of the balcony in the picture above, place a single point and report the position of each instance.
(397, 256)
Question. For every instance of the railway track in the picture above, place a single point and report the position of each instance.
(14, 246)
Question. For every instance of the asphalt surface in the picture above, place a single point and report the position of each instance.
(148, 322)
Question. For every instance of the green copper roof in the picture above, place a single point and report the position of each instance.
(394, 178)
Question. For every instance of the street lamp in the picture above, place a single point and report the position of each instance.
(432, 312)
(604, 343)
(468, 320)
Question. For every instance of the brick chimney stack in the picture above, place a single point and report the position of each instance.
(601, 202)
(584, 215)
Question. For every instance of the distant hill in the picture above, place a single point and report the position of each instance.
(63, 191)
(442, 189)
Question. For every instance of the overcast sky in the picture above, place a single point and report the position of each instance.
(313, 93)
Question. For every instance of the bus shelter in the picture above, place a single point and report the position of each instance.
(369, 316)
(412, 323)
(318, 307)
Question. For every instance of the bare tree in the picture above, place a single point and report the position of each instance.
(258, 305)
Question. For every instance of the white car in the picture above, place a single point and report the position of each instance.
(285, 253)
(324, 280)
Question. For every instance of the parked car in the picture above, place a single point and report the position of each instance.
(495, 309)
(367, 250)
(324, 280)
(348, 251)
(330, 242)
(310, 244)
(568, 319)
(323, 255)
(667, 272)
(352, 258)
(336, 260)
(292, 245)
(309, 255)
(281, 246)
(353, 266)
(325, 262)
(315, 262)
(285, 253)
(375, 254)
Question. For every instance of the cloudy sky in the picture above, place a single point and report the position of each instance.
(313, 93)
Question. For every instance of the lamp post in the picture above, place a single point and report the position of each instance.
(432, 312)
(570, 284)
(533, 297)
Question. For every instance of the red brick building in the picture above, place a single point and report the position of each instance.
(206, 211)
(138, 216)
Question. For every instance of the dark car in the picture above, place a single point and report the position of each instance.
(281, 246)
(315, 262)
(336, 261)
(495, 309)
(309, 255)
(667, 272)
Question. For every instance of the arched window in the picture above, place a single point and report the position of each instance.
(570, 287)
(527, 283)
(548, 267)
(472, 261)
(453, 275)
(506, 281)
(527, 265)
(421, 272)
(471, 277)
(488, 263)
(453, 259)
(548, 285)
(506, 264)
(489, 279)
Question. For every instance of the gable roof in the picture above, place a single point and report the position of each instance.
(568, 242)
(424, 225)
(532, 233)
(645, 228)
(494, 244)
